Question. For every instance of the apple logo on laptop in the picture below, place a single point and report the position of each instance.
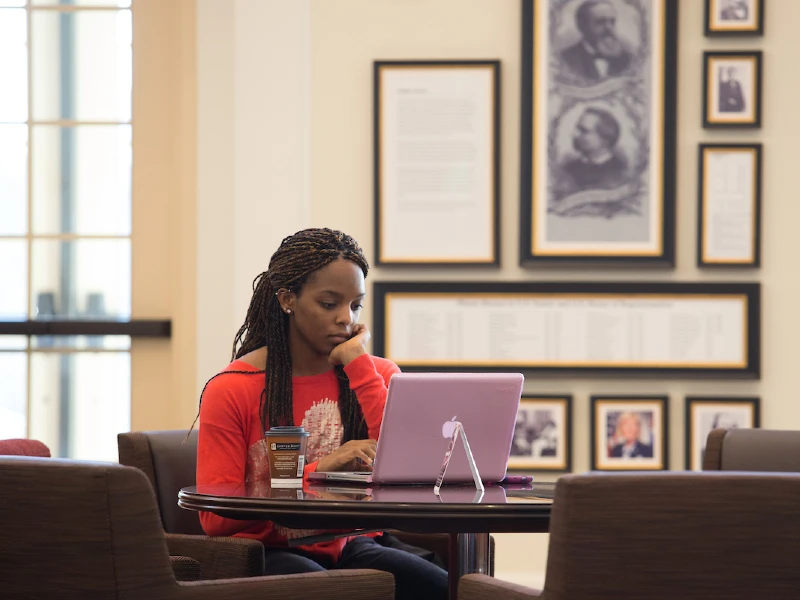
(449, 428)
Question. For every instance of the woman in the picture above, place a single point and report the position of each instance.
(300, 358)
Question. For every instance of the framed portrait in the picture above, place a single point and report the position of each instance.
(437, 162)
(693, 329)
(729, 206)
(706, 413)
(629, 433)
(543, 434)
(597, 132)
(731, 89)
(734, 17)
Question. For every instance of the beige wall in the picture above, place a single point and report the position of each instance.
(285, 141)
(164, 209)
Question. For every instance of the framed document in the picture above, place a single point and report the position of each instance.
(597, 131)
(629, 433)
(731, 90)
(729, 207)
(734, 17)
(637, 328)
(543, 434)
(706, 413)
(437, 162)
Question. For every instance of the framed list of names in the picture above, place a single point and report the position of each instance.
(707, 328)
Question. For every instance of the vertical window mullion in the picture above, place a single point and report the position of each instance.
(29, 228)
(67, 304)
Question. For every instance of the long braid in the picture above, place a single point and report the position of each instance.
(354, 426)
(293, 262)
(255, 323)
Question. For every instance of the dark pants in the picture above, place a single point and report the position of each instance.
(414, 576)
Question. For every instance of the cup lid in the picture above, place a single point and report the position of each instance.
(287, 430)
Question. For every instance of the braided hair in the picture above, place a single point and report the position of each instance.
(295, 260)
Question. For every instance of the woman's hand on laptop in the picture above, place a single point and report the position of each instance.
(347, 456)
(352, 348)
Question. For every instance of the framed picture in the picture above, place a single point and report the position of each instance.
(437, 162)
(731, 89)
(543, 434)
(734, 17)
(629, 433)
(597, 131)
(706, 413)
(694, 329)
(729, 206)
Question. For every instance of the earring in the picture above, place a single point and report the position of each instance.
(288, 311)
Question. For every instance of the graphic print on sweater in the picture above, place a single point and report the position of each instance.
(324, 424)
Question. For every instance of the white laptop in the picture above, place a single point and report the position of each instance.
(412, 443)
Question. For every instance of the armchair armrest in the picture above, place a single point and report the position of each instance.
(482, 587)
(219, 557)
(185, 568)
(356, 584)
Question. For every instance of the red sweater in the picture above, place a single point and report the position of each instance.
(231, 448)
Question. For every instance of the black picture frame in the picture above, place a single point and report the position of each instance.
(704, 259)
(586, 216)
(720, 106)
(733, 409)
(610, 412)
(752, 25)
(382, 258)
(414, 322)
(527, 453)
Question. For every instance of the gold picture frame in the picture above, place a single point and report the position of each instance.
(705, 413)
(437, 162)
(732, 89)
(734, 18)
(558, 327)
(629, 433)
(543, 434)
(729, 205)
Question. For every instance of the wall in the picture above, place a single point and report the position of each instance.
(164, 207)
(285, 141)
(253, 155)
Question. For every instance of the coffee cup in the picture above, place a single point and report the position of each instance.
(286, 451)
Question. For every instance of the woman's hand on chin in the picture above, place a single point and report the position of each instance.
(352, 348)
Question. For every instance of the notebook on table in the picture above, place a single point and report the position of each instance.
(413, 438)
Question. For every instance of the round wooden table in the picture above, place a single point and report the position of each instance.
(467, 514)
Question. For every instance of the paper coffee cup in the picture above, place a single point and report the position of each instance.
(286, 451)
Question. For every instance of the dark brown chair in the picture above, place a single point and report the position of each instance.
(752, 450)
(74, 529)
(170, 464)
(668, 535)
(185, 568)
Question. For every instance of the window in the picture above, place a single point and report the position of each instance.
(65, 222)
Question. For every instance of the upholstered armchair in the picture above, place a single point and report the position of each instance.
(667, 535)
(185, 568)
(752, 450)
(168, 459)
(74, 529)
